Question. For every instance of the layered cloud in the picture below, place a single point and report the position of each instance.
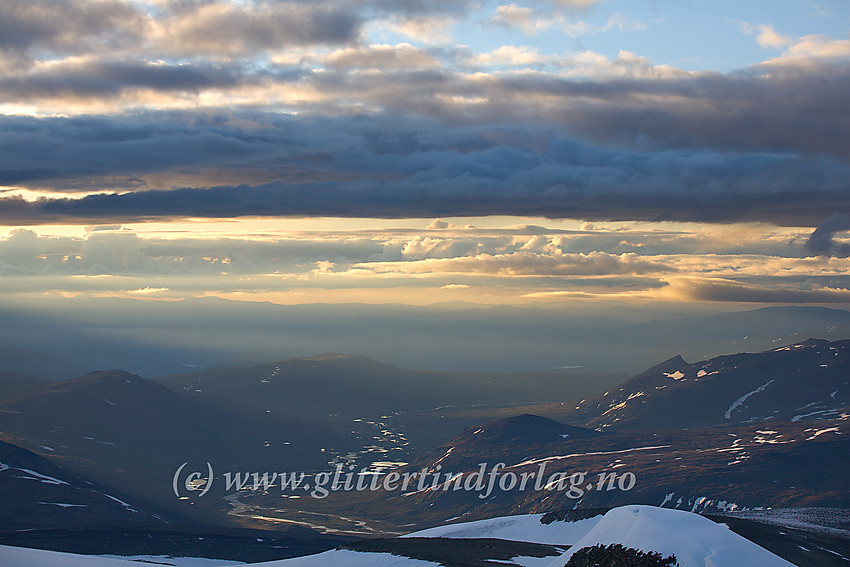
(118, 110)
(127, 111)
(220, 29)
(191, 164)
(526, 263)
(506, 264)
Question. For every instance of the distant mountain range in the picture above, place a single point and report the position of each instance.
(356, 386)
(155, 339)
(366, 398)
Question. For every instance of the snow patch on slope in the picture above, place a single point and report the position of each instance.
(127, 506)
(33, 475)
(737, 403)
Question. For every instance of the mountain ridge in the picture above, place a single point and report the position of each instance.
(791, 382)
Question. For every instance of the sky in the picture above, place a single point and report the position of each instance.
(542, 152)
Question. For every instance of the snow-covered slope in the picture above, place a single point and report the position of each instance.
(345, 558)
(696, 541)
(516, 528)
(23, 557)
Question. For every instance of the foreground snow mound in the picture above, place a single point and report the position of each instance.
(694, 540)
(345, 558)
(516, 528)
(24, 557)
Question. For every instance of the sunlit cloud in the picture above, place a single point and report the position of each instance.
(528, 263)
(766, 35)
(512, 263)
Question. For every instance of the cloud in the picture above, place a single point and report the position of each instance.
(417, 8)
(684, 111)
(699, 289)
(381, 58)
(150, 290)
(532, 21)
(433, 29)
(86, 153)
(513, 16)
(25, 253)
(527, 264)
(511, 55)
(95, 78)
(576, 4)
(766, 36)
(629, 101)
(389, 166)
(818, 46)
(421, 20)
(512, 262)
(221, 28)
(812, 49)
(298, 115)
(218, 28)
(822, 241)
(69, 26)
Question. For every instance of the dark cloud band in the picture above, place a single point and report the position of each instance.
(388, 200)
(389, 166)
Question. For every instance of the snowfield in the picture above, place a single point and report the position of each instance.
(21, 557)
(516, 528)
(696, 541)
(345, 558)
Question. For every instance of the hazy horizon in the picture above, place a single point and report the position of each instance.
(160, 338)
